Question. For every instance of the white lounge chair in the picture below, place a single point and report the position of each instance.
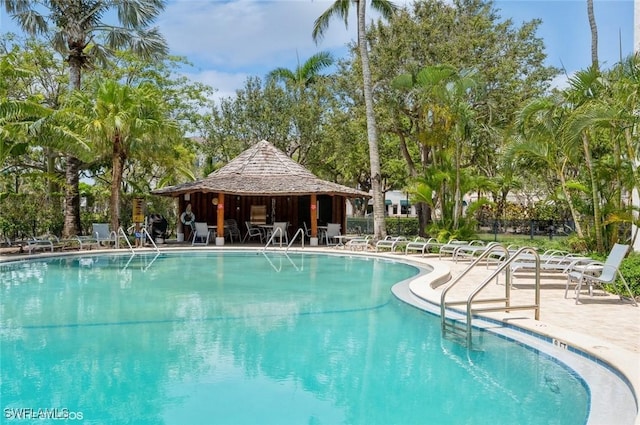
(598, 273)
(390, 242)
(422, 245)
(468, 252)
(358, 243)
(451, 247)
(550, 261)
(201, 234)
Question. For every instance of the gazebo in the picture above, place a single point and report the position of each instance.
(266, 177)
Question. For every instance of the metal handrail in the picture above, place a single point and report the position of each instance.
(458, 278)
(273, 234)
(144, 231)
(507, 299)
(301, 232)
(123, 234)
(504, 266)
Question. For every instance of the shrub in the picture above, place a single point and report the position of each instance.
(630, 269)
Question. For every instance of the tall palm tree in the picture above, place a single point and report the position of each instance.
(78, 30)
(124, 123)
(594, 34)
(340, 8)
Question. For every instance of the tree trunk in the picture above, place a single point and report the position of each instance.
(594, 34)
(72, 179)
(116, 181)
(572, 209)
(72, 198)
(597, 219)
(379, 228)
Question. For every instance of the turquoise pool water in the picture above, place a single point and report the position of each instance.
(247, 338)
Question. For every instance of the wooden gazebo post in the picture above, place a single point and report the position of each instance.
(220, 220)
(313, 241)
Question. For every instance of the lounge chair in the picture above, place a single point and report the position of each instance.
(358, 243)
(598, 273)
(390, 242)
(422, 245)
(451, 246)
(44, 243)
(52, 243)
(468, 252)
(201, 233)
(550, 261)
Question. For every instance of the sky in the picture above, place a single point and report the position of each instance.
(229, 41)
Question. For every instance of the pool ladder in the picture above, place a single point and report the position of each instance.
(145, 235)
(278, 231)
(452, 324)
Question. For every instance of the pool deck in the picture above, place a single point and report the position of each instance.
(602, 325)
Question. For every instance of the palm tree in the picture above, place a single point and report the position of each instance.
(124, 123)
(340, 8)
(585, 88)
(301, 85)
(76, 29)
(304, 75)
(594, 34)
(539, 124)
(445, 96)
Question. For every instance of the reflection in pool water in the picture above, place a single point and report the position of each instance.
(246, 338)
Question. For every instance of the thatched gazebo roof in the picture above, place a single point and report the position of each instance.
(262, 170)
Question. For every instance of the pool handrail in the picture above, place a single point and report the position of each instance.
(300, 232)
(504, 266)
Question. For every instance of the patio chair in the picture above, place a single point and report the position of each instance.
(231, 230)
(252, 232)
(279, 232)
(201, 233)
(333, 230)
(103, 235)
(598, 273)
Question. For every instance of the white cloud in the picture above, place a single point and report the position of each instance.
(225, 83)
(244, 35)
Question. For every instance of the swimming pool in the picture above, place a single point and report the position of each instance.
(245, 338)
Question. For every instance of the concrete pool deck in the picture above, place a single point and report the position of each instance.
(602, 325)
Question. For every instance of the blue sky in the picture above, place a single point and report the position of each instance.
(229, 41)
